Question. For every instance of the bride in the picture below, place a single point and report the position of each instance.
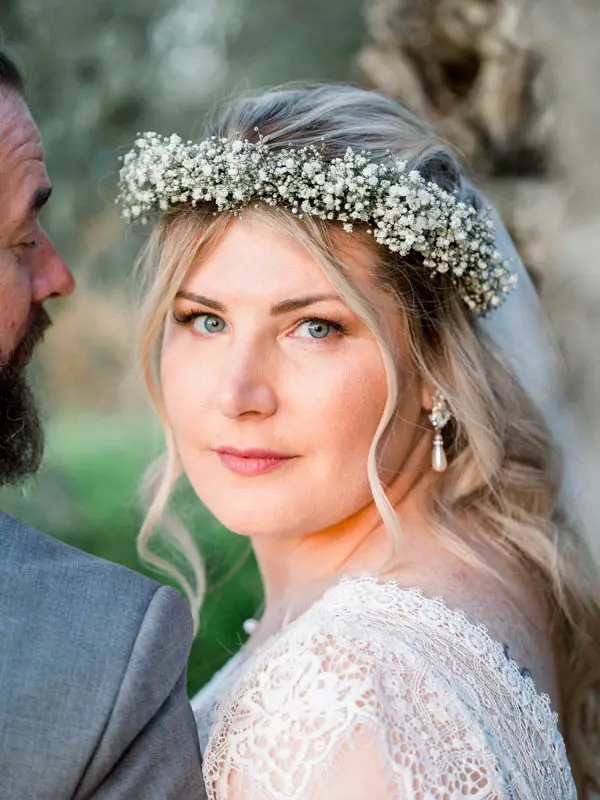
(348, 373)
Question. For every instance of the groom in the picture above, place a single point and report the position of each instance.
(92, 656)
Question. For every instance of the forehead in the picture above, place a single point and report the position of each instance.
(255, 259)
(22, 164)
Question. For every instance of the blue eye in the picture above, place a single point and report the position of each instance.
(208, 323)
(321, 328)
(29, 245)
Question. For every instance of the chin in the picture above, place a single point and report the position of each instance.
(247, 525)
(244, 511)
(255, 512)
(278, 515)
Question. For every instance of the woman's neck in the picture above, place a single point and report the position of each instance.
(294, 568)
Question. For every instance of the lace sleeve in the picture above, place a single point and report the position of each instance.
(328, 715)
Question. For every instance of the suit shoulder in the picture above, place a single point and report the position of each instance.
(74, 585)
(36, 552)
(89, 650)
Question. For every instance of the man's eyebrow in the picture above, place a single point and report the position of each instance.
(284, 307)
(39, 199)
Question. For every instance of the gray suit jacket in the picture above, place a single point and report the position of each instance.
(93, 659)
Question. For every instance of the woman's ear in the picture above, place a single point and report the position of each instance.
(427, 396)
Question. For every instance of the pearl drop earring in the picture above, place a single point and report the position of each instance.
(439, 416)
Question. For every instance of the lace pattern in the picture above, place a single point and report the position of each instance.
(380, 686)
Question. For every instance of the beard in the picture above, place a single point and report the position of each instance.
(21, 429)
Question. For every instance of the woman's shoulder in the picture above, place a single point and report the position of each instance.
(512, 612)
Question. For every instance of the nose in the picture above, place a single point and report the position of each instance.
(50, 276)
(244, 388)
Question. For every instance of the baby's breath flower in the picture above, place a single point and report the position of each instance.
(403, 211)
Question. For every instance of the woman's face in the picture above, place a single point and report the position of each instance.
(260, 354)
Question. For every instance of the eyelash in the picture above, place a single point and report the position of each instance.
(187, 317)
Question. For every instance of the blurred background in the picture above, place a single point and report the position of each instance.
(510, 84)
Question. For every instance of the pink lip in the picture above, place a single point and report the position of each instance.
(250, 462)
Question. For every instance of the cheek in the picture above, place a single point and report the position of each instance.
(353, 412)
(343, 415)
(181, 382)
(15, 302)
(355, 403)
(189, 386)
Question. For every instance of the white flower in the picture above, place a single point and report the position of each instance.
(404, 212)
(398, 191)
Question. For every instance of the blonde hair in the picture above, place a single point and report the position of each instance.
(503, 478)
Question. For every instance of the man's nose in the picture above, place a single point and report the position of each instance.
(50, 275)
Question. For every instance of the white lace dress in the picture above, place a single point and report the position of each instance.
(379, 692)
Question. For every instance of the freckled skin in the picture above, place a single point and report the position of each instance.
(264, 382)
(31, 271)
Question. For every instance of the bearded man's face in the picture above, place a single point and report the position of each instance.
(31, 272)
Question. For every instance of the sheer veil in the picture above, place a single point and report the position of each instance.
(522, 331)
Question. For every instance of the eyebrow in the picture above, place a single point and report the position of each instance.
(284, 307)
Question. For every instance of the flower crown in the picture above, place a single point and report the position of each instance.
(402, 210)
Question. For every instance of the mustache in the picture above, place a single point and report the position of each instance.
(23, 352)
